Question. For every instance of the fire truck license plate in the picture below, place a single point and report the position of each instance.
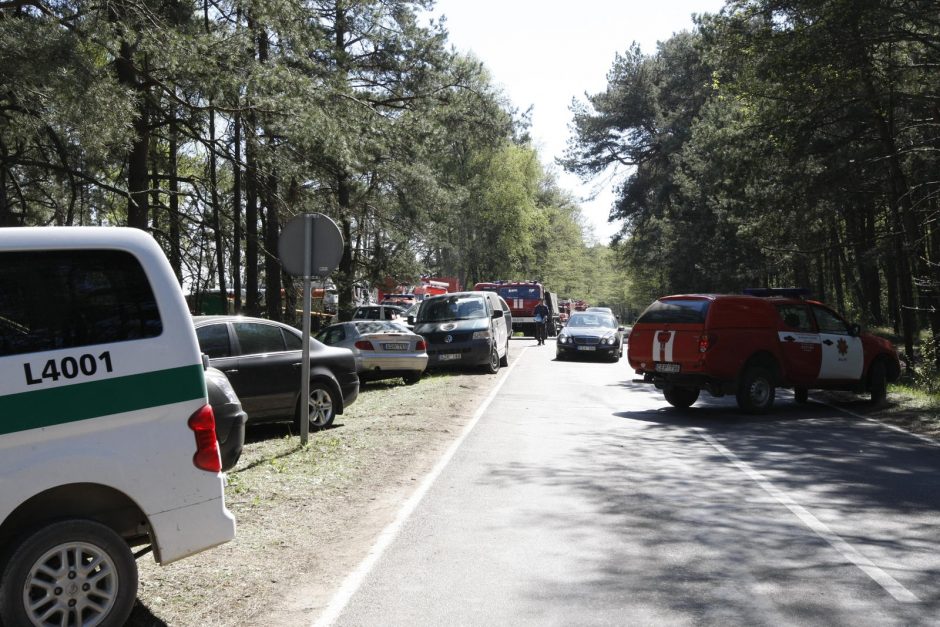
(395, 347)
(662, 367)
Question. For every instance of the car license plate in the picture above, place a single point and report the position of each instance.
(587, 348)
(395, 347)
(448, 356)
(663, 367)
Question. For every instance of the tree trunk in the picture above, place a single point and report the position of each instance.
(137, 174)
(272, 266)
(176, 256)
(237, 215)
(216, 215)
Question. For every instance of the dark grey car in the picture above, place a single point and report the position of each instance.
(466, 329)
(230, 418)
(262, 359)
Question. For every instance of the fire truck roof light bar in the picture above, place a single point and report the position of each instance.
(789, 292)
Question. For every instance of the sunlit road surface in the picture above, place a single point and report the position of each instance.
(580, 498)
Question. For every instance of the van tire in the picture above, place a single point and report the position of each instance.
(322, 406)
(681, 397)
(504, 360)
(493, 363)
(112, 585)
(756, 390)
(878, 382)
(801, 395)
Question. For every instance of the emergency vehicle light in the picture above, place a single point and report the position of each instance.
(789, 292)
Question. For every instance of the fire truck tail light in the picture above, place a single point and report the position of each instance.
(706, 342)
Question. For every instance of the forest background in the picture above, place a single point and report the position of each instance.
(782, 142)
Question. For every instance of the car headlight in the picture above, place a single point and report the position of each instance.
(563, 339)
(481, 335)
(610, 339)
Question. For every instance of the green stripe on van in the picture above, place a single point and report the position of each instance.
(44, 408)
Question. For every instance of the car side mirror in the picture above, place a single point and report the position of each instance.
(498, 313)
(411, 319)
(205, 361)
(621, 328)
(855, 329)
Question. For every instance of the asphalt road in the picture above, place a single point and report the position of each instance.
(580, 498)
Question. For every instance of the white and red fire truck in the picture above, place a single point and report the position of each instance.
(522, 297)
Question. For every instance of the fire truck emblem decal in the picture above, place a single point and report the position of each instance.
(843, 346)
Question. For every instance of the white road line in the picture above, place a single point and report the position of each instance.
(886, 581)
(354, 580)
(920, 437)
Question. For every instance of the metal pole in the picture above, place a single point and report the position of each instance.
(305, 354)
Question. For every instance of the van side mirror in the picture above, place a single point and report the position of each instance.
(205, 361)
(497, 313)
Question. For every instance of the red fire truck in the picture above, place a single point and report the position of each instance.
(522, 297)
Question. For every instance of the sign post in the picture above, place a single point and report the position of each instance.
(310, 245)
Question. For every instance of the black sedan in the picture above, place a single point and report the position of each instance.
(590, 334)
(262, 359)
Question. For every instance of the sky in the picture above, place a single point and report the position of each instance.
(543, 53)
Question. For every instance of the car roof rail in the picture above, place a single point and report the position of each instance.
(765, 292)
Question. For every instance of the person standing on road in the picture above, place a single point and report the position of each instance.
(540, 314)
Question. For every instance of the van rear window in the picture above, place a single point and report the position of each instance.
(675, 311)
(51, 300)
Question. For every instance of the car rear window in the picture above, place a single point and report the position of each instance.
(676, 311)
(70, 298)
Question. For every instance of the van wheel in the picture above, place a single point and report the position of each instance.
(681, 397)
(322, 407)
(492, 365)
(800, 395)
(504, 360)
(756, 390)
(878, 382)
(72, 572)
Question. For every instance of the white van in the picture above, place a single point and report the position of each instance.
(107, 442)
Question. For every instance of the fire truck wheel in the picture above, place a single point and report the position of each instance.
(878, 382)
(681, 397)
(756, 390)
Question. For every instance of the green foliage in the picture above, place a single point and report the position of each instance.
(782, 143)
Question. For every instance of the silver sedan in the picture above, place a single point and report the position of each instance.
(383, 349)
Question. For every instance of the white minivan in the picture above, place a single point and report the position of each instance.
(107, 443)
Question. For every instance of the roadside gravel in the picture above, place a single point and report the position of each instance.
(307, 516)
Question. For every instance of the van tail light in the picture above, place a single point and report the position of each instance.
(706, 341)
(364, 345)
(207, 455)
(421, 345)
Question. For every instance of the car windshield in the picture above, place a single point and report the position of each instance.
(678, 310)
(600, 320)
(452, 308)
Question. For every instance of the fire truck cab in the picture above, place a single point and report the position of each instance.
(522, 297)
